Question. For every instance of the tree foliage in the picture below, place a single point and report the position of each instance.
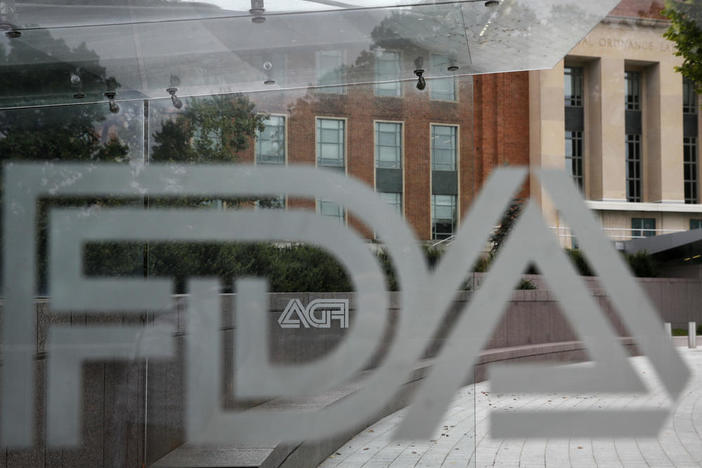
(210, 129)
(508, 219)
(686, 32)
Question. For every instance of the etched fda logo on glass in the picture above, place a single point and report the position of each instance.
(255, 377)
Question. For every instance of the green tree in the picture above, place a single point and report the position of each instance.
(81, 132)
(508, 219)
(211, 129)
(686, 32)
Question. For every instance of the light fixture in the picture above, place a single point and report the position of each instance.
(177, 103)
(257, 10)
(114, 107)
(419, 71)
(77, 84)
(268, 67)
(492, 3)
(452, 68)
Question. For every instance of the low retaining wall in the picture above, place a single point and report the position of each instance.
(133, 412)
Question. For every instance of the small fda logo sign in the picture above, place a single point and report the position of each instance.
(319, 313)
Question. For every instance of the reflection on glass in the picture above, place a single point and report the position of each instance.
(387, 69)
(330, 71)
(442, 89)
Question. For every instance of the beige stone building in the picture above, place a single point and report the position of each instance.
(624, 123)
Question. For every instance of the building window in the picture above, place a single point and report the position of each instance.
(270, 143)
(275, 203)
(331, 142)
(689, 97)
(643, 227)
(444, 145)
(387, 70)
(443, 216)
(442, 89)
(690, 168)
(392, 199)
(573, 86)
(388, 145)
(331, 210)
(633, 91)
(696, 224)
(633, 168)
(330, 71)
(574, 156)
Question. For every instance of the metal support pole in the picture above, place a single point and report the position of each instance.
(692, 335)
(668, 330)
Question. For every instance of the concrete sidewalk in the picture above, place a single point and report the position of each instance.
(463, 441)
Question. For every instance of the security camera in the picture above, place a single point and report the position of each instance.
(421, 82)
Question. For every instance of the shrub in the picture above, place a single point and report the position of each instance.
(526, 284)
(642, 264)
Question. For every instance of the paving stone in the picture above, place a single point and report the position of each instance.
(679, 444)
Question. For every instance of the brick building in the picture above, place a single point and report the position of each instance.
(429, 152)
(426, 152)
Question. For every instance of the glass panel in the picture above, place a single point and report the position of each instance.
(443, 208)
(392, 199)
(573, 86)
(574, 156)
(443, 89)
(689, 97)
(270, 143)
(387, 68)
(331, 209)
(214, 48)
(444, 147)
(633, 175)
(388, 145)
(690, 169)
(633, 91)
(330, 143)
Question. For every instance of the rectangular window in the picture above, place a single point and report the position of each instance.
(388, 145)
(442, 89)
(633, 91)
(573, 86)
(392, 199)
(387, 69)
(330, 71)
(443, 216)
(574, 156)
(633, 168)
(444, 144)
(690, 169)
(696, 224)
(689, 97)
(331, 142)
(331, 209)
(643, 227)
(270, 143)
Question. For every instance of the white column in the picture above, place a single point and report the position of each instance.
(692, 335)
